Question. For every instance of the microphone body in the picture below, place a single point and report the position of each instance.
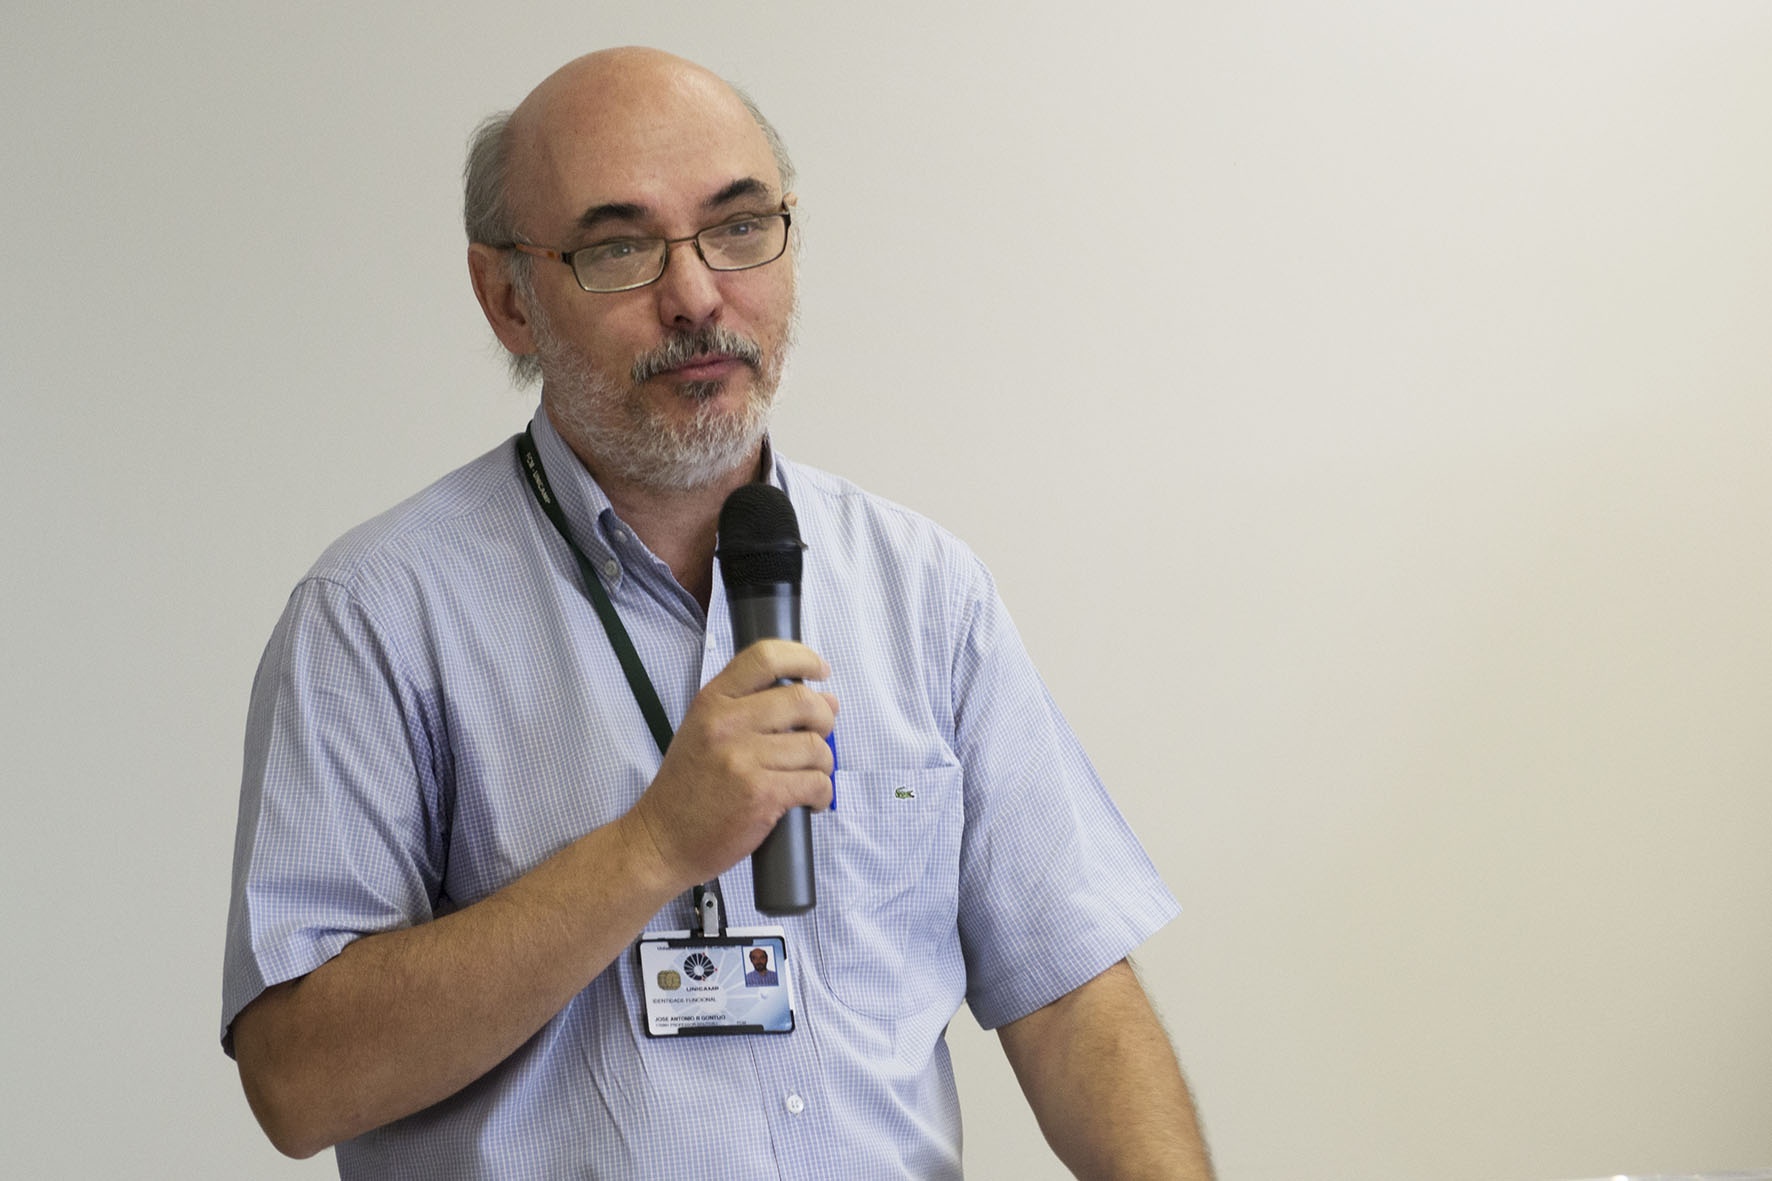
(760, 564)
(781, 867)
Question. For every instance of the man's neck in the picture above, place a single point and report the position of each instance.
(678, 525)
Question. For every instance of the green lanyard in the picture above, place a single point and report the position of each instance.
(645, 696)
(709, 901)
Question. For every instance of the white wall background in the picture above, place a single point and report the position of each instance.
(1385, 383)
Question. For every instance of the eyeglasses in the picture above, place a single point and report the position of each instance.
(622, 264)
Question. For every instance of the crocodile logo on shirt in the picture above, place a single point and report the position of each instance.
(905, 793)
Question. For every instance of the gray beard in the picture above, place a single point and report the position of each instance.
(629, 441)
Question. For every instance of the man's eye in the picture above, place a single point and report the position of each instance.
(738, 229)
(615, 250)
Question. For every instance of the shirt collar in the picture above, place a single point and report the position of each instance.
(587, 507)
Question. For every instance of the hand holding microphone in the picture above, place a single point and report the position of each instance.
(752, 741)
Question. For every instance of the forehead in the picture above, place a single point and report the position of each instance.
(663, 141)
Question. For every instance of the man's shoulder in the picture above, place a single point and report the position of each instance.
(477, 507)
(827, 502)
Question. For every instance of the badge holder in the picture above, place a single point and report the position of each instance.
(715, 981)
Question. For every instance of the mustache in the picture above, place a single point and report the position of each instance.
(683, 347)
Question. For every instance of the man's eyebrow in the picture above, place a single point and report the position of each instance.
(610, 211)
(748, 186)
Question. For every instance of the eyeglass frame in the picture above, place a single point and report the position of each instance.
(566, 256)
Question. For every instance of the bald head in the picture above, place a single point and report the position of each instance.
(619, 124)
(647, 86)
(618, 75)
(632, 83)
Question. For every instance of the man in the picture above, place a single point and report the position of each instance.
(456, 825)
(760, 976)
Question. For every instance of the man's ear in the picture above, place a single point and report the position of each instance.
(490, 272)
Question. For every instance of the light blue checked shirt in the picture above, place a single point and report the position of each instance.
(439, 710)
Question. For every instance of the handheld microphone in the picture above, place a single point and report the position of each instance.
(760, 563)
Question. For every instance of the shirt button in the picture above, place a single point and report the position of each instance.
(796, 1104)
(610, 569)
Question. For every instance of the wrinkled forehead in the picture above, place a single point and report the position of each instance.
(665, 142)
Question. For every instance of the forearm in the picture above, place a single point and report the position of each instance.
(399, 1021)
(1105, 1086)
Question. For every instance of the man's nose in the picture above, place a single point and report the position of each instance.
(688, 291)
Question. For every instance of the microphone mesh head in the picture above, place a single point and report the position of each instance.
(759, 538)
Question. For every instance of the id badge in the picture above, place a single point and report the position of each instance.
(696, 985)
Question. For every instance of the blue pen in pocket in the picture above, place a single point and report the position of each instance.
(830, 740)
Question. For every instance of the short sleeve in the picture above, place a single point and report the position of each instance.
(342, 823)
(1054, 886)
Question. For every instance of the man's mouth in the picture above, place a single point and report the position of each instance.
(705, 367)
(707, 355)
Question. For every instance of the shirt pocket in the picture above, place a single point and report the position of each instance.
(888, 865)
